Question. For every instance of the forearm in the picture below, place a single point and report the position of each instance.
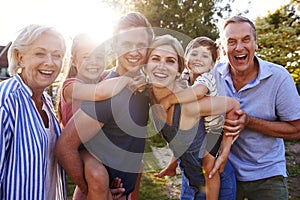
(225, 146)
(110, 87)
(285, 130)
(190, 94)
(223, 155)
(71, 162)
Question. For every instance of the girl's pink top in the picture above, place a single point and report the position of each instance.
(68, 109)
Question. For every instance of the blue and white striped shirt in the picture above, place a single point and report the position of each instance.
(24, 144)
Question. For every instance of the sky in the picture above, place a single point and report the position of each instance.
(75, 16)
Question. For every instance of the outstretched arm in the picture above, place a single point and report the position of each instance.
(193, 93)
(95, 92)
(78, 130)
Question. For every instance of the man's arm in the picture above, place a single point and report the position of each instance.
(289, 130)
(286, 130)
(78, 130)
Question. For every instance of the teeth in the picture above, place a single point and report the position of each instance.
(92, 70)
(160, 75)
(46, 72)
(197, 65)
(241, 56)
(133, 60)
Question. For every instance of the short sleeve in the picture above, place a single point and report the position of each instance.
(99, 110)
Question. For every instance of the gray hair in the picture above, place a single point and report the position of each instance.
(25, 38)
(239, 19)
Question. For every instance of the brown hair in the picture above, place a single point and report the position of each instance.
(134, 20)
(206, 42)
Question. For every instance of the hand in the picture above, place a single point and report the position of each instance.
(137, 84)
(218, 166)
(234, 127)
(116, 188)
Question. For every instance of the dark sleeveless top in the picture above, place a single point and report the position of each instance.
(188, 146)
(179, 140)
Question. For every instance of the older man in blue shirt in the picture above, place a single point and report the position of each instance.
(271, 113)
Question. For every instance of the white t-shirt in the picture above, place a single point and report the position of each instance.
(51, 173)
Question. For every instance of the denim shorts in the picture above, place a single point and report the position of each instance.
(191, 166)
(227, 187)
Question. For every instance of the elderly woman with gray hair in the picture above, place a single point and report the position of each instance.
(29, 128)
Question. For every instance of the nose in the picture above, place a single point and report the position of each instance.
(239, 45)
(134, 50)
(162, 64)
(49, 60)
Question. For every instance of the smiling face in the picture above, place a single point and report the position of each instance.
(200, 60)
(162, 67)
(89, 61)
(131, 48)
(240, 45)
(42, 61)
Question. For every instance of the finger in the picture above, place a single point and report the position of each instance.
(232, 134)
(232, 122)
(221, 169)
(231, 129)
(240, 112)
(213, 171)
(117, 191)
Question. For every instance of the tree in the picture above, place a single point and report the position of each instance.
(279, 38)
(192, 18)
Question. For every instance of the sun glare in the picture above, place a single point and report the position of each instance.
(95, 18)
(70, 17)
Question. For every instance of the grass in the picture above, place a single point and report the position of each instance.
(154, 188)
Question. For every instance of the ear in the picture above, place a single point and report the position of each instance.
(224, 52)
(19, 56)
(256, 47)
(73, 61)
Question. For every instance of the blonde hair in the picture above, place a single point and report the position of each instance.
(26, 37)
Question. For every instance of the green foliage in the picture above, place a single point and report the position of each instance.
(192, 18)
(279, 38)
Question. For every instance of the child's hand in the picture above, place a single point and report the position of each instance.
(116, 188)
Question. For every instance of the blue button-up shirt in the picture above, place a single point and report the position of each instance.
(271, 96)
(24, 144)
